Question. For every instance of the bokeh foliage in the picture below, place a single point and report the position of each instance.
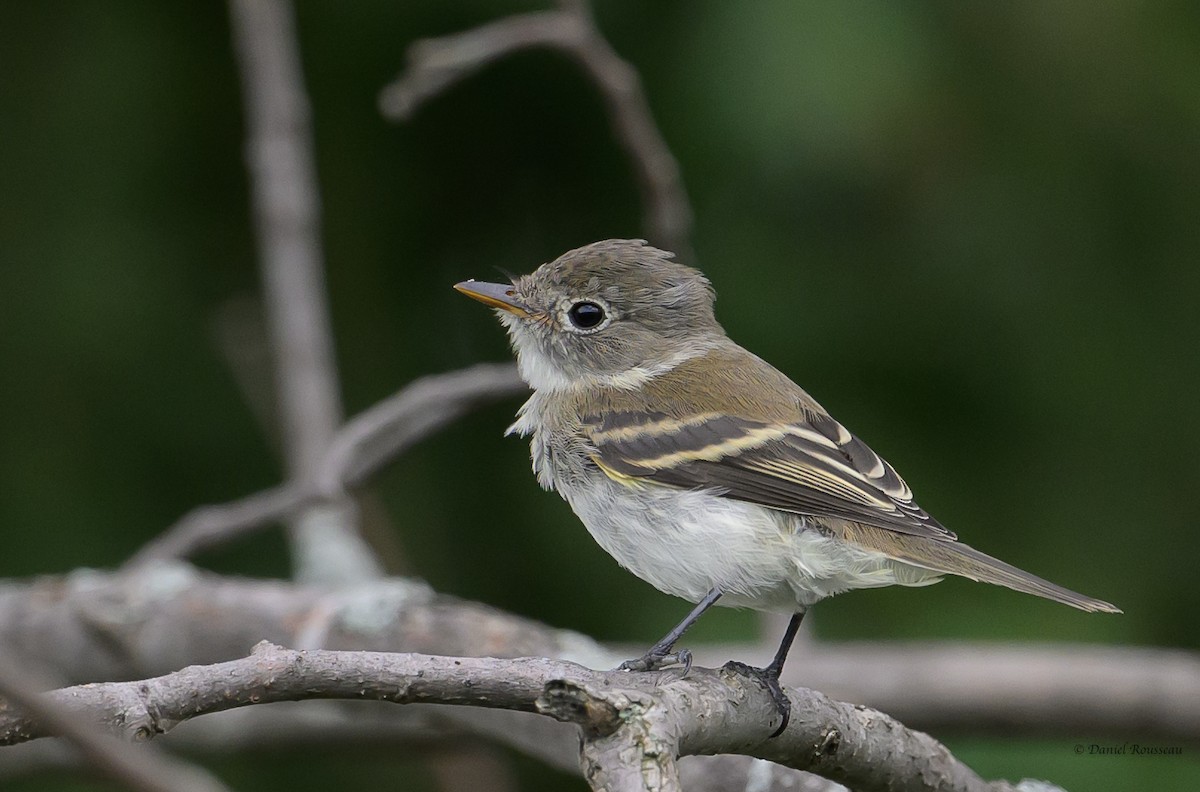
(969, 228)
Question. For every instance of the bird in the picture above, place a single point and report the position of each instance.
(701, 468)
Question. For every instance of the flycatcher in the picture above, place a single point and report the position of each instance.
(697, 465)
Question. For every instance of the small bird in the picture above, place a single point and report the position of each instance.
(700, 467)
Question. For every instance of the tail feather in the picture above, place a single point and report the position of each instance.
(957, 558)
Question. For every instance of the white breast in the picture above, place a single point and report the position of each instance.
(686, 543)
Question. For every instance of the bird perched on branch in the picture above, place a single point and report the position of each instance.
(697, 465)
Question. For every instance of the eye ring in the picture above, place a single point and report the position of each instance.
(587, 315)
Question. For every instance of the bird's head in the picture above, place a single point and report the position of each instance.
(612, 313)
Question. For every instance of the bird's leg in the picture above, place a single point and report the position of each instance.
(660, 654)
(769, 676)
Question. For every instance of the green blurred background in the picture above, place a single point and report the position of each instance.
(969, 229)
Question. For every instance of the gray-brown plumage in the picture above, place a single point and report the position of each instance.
(719, 420)
(699, 466)
(708, 432)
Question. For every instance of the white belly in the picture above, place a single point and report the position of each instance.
(686, 543)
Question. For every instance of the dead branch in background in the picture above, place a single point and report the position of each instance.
(436, 64)
(138, 769)
(634, 727)
(415, 730)
(357, 450)
(325, 541)
(95, 626)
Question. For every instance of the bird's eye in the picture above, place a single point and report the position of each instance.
(586, 315)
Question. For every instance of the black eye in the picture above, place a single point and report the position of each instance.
(586, 315)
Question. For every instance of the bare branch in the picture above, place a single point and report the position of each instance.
(423, 407)
(436, 64)
(92, 626)
(1070, 689)
(325, 540)
(417, 729)
(328, 726)
(1005, 689)
(210, 526)
(359, 449)
(630, 722)
(286, 203)
(140, 769)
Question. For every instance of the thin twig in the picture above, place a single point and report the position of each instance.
(140, 768)
(325, 541)
(213, 525)
(436, 64)
(629, 722)
(420, 409)
(361, 447)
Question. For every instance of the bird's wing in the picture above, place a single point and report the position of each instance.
(810, 466)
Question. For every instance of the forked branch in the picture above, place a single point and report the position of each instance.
(436, 64)
(634, 726)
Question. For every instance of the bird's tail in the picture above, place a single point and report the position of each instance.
(957, 558)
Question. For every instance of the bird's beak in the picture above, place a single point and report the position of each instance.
(496, 295)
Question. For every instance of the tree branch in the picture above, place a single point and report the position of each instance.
(436, 64)
(631, 723)
(325, 542)
(360, 448)
(330, 726)
(91, 626)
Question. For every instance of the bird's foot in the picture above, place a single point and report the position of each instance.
(768, 678)
(657, 658)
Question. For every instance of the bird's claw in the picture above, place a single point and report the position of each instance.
(769, 679)
(653, 661)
